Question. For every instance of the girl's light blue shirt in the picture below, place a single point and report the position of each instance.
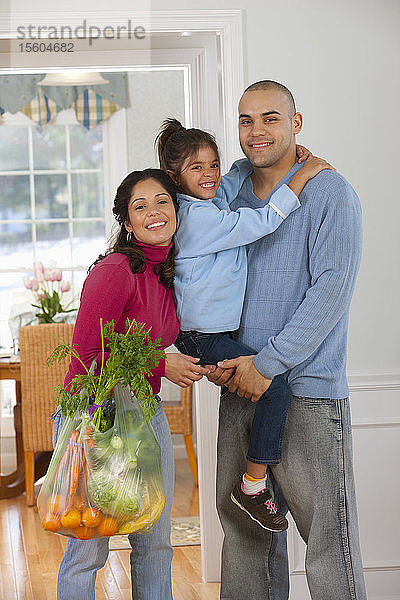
(211, 264)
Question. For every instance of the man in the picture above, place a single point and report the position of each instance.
(295, 317)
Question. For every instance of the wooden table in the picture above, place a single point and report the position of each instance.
(14, 484)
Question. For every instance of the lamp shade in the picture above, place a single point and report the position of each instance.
(68, 78)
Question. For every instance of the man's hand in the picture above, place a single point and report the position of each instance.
(247, 382)
(218, 375)
(182, 369)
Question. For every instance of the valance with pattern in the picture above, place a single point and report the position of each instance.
(92, 104)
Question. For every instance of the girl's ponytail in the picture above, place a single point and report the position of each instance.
(175, 144)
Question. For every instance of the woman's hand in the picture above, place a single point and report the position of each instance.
(302, 153)
(183, 369)
(312, 166)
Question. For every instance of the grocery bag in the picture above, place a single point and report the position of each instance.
(104, 483)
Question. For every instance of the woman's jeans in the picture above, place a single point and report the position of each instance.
(315, 477)
(265, 444)
(151, 554)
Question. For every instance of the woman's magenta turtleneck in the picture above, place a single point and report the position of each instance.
(112, 291)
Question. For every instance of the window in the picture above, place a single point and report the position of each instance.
(51, 202)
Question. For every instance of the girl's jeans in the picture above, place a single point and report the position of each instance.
(151, 554)
(270, 414)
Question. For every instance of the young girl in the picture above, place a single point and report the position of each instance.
(210, 280)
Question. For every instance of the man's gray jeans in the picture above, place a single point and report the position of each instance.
(316, 479)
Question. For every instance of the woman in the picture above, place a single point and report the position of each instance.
(134, 279)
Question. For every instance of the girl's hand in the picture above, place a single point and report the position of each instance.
(183, 369)
(302, 153)
(311, 168)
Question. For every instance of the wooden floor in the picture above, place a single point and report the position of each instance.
(29, 556)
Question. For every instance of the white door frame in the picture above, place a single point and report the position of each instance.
(226, 26)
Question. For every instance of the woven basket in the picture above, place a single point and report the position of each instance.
(38, 380)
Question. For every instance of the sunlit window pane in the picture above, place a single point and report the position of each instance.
(51, 196)
(14, 197)
(49, 148)
(52, 243)
(12, 291)
(86, 147)
(14, 150)
(87, 242)
(87, 195)
(78, 278)
(45, 199)
(15, 245)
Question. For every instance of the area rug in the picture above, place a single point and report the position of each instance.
(185, 531)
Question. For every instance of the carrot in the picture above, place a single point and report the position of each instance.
(82, 503)
(76, 465)
(63, 461)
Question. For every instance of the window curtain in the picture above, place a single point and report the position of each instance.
(92, 104)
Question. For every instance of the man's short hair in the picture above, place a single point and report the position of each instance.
(268, 84)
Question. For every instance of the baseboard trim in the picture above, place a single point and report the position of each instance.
(367, 382)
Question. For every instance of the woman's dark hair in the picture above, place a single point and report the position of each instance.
(175, 144)
(122, 243)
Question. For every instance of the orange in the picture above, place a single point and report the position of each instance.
(71, 519)
(108, 526)
(51, 522)
(91, 517)
(83, 533)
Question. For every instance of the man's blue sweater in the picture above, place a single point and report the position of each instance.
(299, 286)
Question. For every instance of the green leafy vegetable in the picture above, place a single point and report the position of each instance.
(101, 490)
(132, 357)
(121, 496)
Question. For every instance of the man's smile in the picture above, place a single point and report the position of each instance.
(260, 144)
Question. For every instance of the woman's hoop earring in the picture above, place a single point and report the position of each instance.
(129, 237)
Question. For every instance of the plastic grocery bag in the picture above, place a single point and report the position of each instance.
(102, 484)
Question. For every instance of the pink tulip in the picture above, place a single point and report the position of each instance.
(48, 274)
(42, 296)
(65, 286)
(28, 283)
(57, 274)
(35, 285)
(38, 270)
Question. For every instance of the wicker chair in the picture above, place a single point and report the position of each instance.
(179, 415)
(38, 400)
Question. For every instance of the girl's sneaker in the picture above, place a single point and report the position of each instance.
(260, 508)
